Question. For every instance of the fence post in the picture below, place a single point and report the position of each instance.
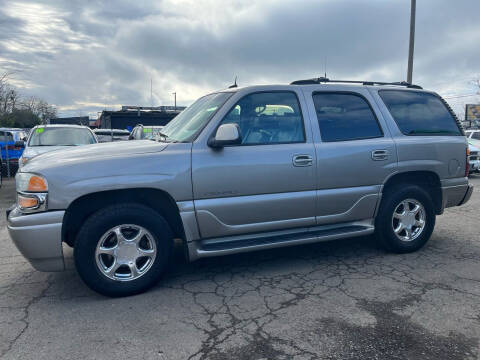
(6, 153)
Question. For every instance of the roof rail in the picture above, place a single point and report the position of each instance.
(326, 80)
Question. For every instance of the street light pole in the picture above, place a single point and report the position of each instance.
(412, 40)
(175, 100)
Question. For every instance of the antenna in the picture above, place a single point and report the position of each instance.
(234, 84)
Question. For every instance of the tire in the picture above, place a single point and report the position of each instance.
(95, 251)
(387, 222)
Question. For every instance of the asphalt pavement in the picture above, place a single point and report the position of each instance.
(337, 300)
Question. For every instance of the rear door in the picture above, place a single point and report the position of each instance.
(355, 154)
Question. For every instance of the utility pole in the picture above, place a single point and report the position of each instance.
(175, 100)
(412, 40)
(151, 92)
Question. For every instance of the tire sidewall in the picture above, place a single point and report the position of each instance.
(102, 221)
(392, 199)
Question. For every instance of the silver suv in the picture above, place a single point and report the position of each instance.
(245, 169)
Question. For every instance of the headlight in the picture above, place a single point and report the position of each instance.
(27, 182)
(31, 192)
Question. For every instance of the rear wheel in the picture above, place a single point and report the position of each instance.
(123, 249)
(406, 219)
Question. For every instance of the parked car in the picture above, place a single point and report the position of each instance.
(141, 132)
(473, 134)
(474, 159)
(109, 135)
(231, 174)
(11, 144)
(46, 138)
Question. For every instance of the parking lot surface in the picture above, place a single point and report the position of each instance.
(338, 300)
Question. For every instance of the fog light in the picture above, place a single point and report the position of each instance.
(27, 202)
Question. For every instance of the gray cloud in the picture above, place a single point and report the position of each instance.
(85, 55)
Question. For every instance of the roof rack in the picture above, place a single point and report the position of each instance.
(326, 80)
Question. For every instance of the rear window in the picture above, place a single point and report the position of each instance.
(419, 113)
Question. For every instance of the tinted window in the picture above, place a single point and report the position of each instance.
(344, 117)
(6, 136)
(268, 118)
(476, 135)
(419, 113)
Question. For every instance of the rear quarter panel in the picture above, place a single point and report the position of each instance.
(444, 155)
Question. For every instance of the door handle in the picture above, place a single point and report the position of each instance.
(379, 155)
(302, 160)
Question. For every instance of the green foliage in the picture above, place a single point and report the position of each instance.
(19, 111)
(20, 118)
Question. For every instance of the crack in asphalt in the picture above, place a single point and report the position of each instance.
(260, 344)
(26, 314)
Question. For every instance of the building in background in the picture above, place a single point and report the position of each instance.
(472, 116)
(130, 116)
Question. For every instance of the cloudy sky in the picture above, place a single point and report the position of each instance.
(84, 56)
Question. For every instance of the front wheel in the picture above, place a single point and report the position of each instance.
(123, 249)
(406, 219)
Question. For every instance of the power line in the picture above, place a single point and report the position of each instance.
(460, 96)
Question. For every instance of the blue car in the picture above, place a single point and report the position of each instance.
(11, 145)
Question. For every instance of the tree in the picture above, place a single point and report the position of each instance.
(23, 113)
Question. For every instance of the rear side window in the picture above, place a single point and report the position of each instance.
(476, 135)
(419, 113)
(345, 116)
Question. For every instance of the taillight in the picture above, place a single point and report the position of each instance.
(467, 163)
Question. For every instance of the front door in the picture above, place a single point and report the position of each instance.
(268, 181)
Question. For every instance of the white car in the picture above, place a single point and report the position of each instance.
(474, 159)
(46, 138)
(473, 134)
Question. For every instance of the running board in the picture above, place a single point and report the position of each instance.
(238, 244)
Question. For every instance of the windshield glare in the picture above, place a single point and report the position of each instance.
(61, 137)
(186, 125)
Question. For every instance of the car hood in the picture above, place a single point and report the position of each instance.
(473, 147)
(31, 151)
(88, 153)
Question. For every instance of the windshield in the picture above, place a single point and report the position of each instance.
(61, 136)
(186, 125)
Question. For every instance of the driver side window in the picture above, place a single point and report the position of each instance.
(268, 118)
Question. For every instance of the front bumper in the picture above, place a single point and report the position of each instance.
(38, 237)
(455, 192)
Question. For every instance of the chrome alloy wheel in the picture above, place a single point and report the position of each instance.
(408, 220)
(125, 252)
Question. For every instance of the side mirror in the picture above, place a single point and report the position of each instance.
(19, 143)
(227, 134)
(130, 137)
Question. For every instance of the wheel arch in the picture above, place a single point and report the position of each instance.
(86, 205)
(428, 180)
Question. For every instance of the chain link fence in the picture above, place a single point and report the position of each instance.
(9, 155)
